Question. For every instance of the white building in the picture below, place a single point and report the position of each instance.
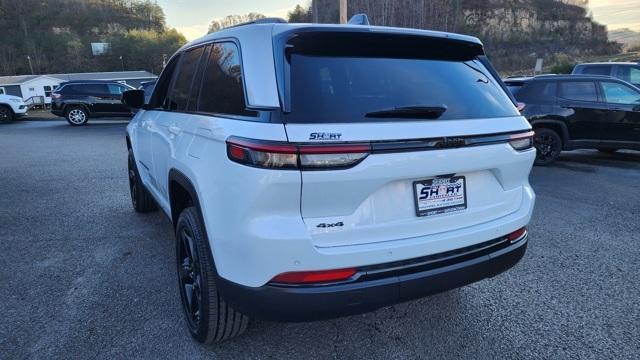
(33, 89)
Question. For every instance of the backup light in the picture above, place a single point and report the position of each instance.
(522, 141)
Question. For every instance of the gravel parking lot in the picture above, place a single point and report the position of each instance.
(83, 276)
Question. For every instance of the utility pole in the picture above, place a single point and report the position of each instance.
(314, 11)
(30, 65)
(343, 11)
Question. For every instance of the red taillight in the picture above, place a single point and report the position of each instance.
(55, 96)
(522, 141)
(314, 277)
(277, 155)
(517, 235)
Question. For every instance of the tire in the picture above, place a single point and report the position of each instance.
(141, 200)
(548, 145)
(76, 115)
(6, 114)
(608, 151)
(209, 318)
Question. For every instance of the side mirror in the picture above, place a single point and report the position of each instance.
(133, 99)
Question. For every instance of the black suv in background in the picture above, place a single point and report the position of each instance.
(578, 111)
(626, 71)
(79, 100)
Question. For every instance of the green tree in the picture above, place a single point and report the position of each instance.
(300, 14)
(143, 49)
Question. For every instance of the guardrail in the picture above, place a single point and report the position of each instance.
(35, 101)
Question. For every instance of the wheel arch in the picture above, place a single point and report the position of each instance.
(83, 105)
(555, 125)
(182, 194)
(8, 106)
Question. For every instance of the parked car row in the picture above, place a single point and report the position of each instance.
(582, 111)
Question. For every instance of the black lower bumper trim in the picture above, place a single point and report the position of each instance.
(308, 303)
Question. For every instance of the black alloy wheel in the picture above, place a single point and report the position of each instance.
(190, 278)
(548, 145)
(6, 114)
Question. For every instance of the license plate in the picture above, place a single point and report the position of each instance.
(440, 195)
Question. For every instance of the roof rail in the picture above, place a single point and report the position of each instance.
(359, 19)
(270, 20)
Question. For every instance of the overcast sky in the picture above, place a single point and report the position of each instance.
(192, 17)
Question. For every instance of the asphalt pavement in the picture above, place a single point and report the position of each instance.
(84, 276)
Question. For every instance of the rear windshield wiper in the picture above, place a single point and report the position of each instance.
(410, 112)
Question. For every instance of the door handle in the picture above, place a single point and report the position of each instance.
(174, 129)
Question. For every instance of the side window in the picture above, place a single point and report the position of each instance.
(579, 90)
(116, 89)
(182, 86)
(222, 89)
(2, 91)
(620, 94)
(47, 91)
(158, 99)
(597, 70)
(629, 74)
(544, 91)
(95, 89)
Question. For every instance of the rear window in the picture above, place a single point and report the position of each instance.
(332, 81)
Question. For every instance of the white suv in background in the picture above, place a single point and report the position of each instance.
(314, 171)
(11, 107)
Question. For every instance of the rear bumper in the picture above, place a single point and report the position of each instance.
(376, 287)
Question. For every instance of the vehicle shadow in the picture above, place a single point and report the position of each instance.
(413, 330)
(589, 160)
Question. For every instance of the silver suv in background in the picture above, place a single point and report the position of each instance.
(626, 71)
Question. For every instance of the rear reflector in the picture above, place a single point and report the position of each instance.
(521, 141)
(277, 155)
(517, 235)
(314, 277)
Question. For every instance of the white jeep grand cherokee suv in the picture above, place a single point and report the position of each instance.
(11, 107)
(314, 171)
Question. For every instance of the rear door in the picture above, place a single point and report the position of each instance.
(583, 110)
(170, 125)
(115, 99)
(623, 120)
(97, 95)
(408, 186)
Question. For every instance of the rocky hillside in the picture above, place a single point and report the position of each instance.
(515, 32)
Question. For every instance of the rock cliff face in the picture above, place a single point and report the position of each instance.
(515, 32)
